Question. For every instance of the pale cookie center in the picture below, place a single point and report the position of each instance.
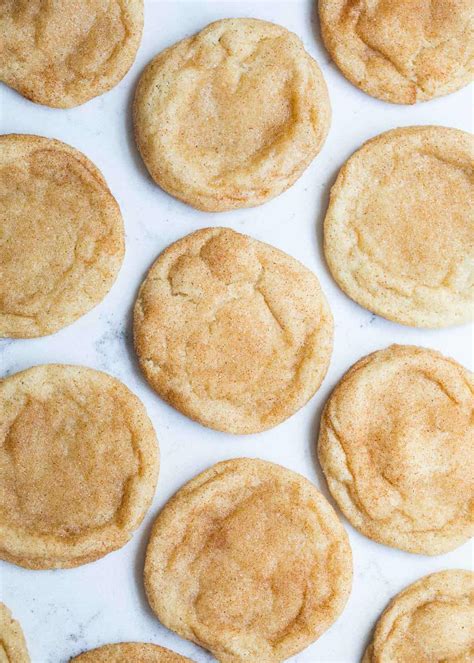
(50, 222)
(238, 345)
(234, 355)
(63, 469)
(239, 108)
(412, 234)
(417, 447)
(75, 40)
(253, 571)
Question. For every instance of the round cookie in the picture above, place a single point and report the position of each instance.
(404, 51)
(396, 445)
(431, 621)
(130, 652)
(232, 116)
(250, 561)
(12, 642)
(61, 236)
(398, 234)
(62, 54)
(78, 466)
(231, 331)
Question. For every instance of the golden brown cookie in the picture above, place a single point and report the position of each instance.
(250, 561)
(130, 652)
(396, 445)
(431, 621)
(402, 51)
(398, 234)
(12, 642)
(232, 116)
(78, 466)
(62, 54)
(61, 236)
(232, 332)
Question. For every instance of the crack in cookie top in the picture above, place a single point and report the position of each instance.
(13, 647)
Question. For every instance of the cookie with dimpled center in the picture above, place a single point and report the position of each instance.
(398, 233)
(395, 444)
(61, 237)
(250, 561)
(64, 54)
(231, 331)
(232, 116)
(78, 466)
(431, 620)
(403, 52)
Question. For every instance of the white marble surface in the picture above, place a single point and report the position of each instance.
(65, 612)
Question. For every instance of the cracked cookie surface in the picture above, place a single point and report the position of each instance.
(61, 236)
(128, 652)
(78, 466)
(62, 54)
(396, 445)
(13, 647)
(398, 233)
(404, 51)
(250, 561)
(431, 621)
(232, 116)
(231, 331)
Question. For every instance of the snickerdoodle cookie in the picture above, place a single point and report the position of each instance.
(431, 621)
(231, 331)
(398, 234)
(61, 236)
(401, 51)
(78, 466)
(12, 642)
(232, 116)
(396, 446)
(62, 54)
(130, 652)
(250, 561)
